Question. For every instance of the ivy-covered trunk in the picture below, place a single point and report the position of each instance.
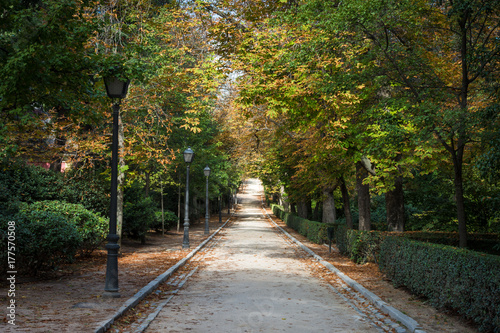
(120, 180)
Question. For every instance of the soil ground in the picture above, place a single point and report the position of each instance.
(70, 299)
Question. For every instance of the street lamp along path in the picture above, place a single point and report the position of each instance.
(188, 158)
(116, 88)
(206, 171)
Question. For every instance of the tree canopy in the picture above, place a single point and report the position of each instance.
(339, 100)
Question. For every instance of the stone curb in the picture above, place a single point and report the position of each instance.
(411, 324)
(104, 325)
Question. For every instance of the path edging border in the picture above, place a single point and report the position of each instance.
(104, 325)
(394, 313)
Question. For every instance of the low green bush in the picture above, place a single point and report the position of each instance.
(170, 219)
(91, 192)
(364, 245)
(341, 239)
(360, 246)
(138, 217)
(91, 227)
(316, 232)
(459, 279)
(43, 239)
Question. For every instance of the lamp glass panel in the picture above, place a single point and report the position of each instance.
(115, 87)
(188, 155)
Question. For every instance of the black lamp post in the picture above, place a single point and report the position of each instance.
(117, 89)
(219, 199)
(229, 199)
(188, 158)
(206, 171)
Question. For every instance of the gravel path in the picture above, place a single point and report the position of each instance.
(252, 281)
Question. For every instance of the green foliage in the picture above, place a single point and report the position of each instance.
(458, 279)
(480, 242)
(170, 219)
(44, 239)
(359, 246)
(89, 188)
(138, 217)
(489, 162)
(139, 213)
(91, 227)
(23, 183)
(316, 232)
(429, 203)
(341, 239)
(378, 213)
(20, 182)
(44, 58)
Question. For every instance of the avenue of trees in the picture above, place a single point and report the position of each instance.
(55, 112)
(382, 114)
(394, 103)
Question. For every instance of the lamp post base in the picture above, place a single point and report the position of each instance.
(207, 228)
(111, 283)
(111, 294)
(185, 241)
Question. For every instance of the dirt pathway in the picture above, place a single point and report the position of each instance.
(255, 283)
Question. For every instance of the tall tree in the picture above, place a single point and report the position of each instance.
(46, 66)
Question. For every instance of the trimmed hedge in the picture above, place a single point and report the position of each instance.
(360, 246)
(481, 242)
(43, 240)
(459, 279)
(51, 232)
(316, 232)
(91, 227)
(463, 280)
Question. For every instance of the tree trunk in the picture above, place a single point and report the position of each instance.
(395, 207)
(459, 197)
(458, 155)
(317, 208)
(303, 209)
(347, 204)
(363, 198)
(194, 211)
(284, 199)
(329, 213)
(162, 211)
(120, 180)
